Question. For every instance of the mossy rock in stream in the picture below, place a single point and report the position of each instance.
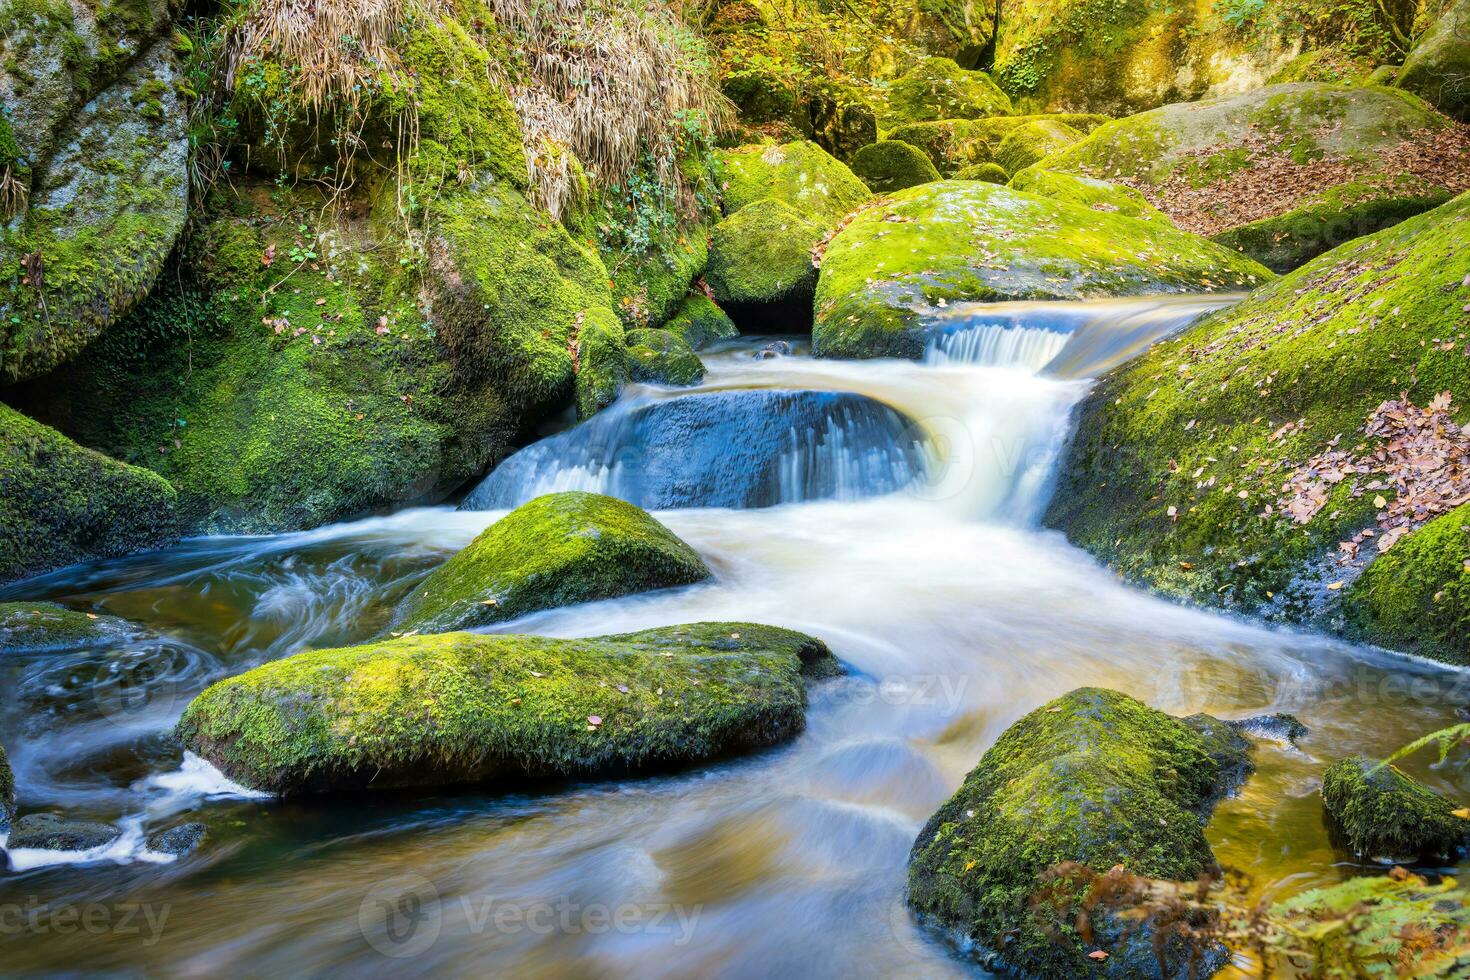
(1438, 68)
(31, 627)
(892, 165)
(556, 550)
(1185, 460)
(1088, 192)
(1384, 814)
(763, 254)
(937, 88)
(1027, 144)
(662, 357)
(1093, 780)
(102, 212)
(61, 503)
(52, 832)
(1277, 163)
(699, 322)
(895, 264)
(1417, 596)
(469, 708)
(816, 184)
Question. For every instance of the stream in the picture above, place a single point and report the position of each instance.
(891, 508)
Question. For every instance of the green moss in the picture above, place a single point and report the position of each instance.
(892, 264)
(463, 707)
(991, 173)
(891, 165)
(937, 88)
(1384, 814)
(763, 254)
(1438, 68)
(60, 503)
(956, 143)
(1417, 596)
(803, 175)
(700, 322)
(601, 361)
(1322, 221)
(1095, 778)
(1027, 144)
(1323, 65)
(557, 550)
(663, 357)
(648, 286)
(1087, 192)
(1196, 424)
(27, 627)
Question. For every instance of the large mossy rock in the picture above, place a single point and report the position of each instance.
(61, 503)
(662, 357)
(1298, 169)
(1100, 195)
(1417, 596)
(894, 265)
(802, 174)
(1027, 144)
(468, 708)
(40, 627)
(700, 322)
(763, 254)
(892, 165)
(105, 199)
(1187, 463)
(557, 550)
(1384, 814)
(956, 143)
(937, 88)
(1093, 780)
(1438, 68)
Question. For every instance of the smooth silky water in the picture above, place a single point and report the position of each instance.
(954, 612)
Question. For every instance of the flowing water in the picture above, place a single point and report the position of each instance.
(888, 507)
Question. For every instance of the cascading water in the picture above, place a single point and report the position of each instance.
(923, 570)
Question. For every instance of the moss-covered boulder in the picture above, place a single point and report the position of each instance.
(801, 174)
(61, 503)
(1384, 814)
(31, 627)
(557, 550)
(52, 832)
(894, 265)
(662, 357)
(469, 708)
(102, 209)
(1089, 192)
(1027, 144)
(1205, 468)
(1093, 780)
(937, 88)
(991, 173)
(1438, 68)
(1322, 221)
(763, 254)
(699, 322)
(1308, 166)
(892, 165)
(956, 143)
(1417, 596)
(648, 286)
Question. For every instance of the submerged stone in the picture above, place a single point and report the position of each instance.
(1384, 814)
(1092, 781)
(742, 449)
(179, 840)
(557, 550)
(468, 708)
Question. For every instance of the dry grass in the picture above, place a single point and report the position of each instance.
(612, 83)
(13, 194)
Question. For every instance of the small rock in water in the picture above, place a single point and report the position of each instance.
(1279, 727)
(779, 348)
(179, 840)
(50, 832)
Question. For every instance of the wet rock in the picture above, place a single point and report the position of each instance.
(557, 550)
(1383, 813)
(699, 322)
(7, 792)
(778, 348)
(51, 832)
(1282, 728)
(179, 840)
(32, 627)
(662, 357)
(500, 709)
(1092, 781)
(892, 268)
